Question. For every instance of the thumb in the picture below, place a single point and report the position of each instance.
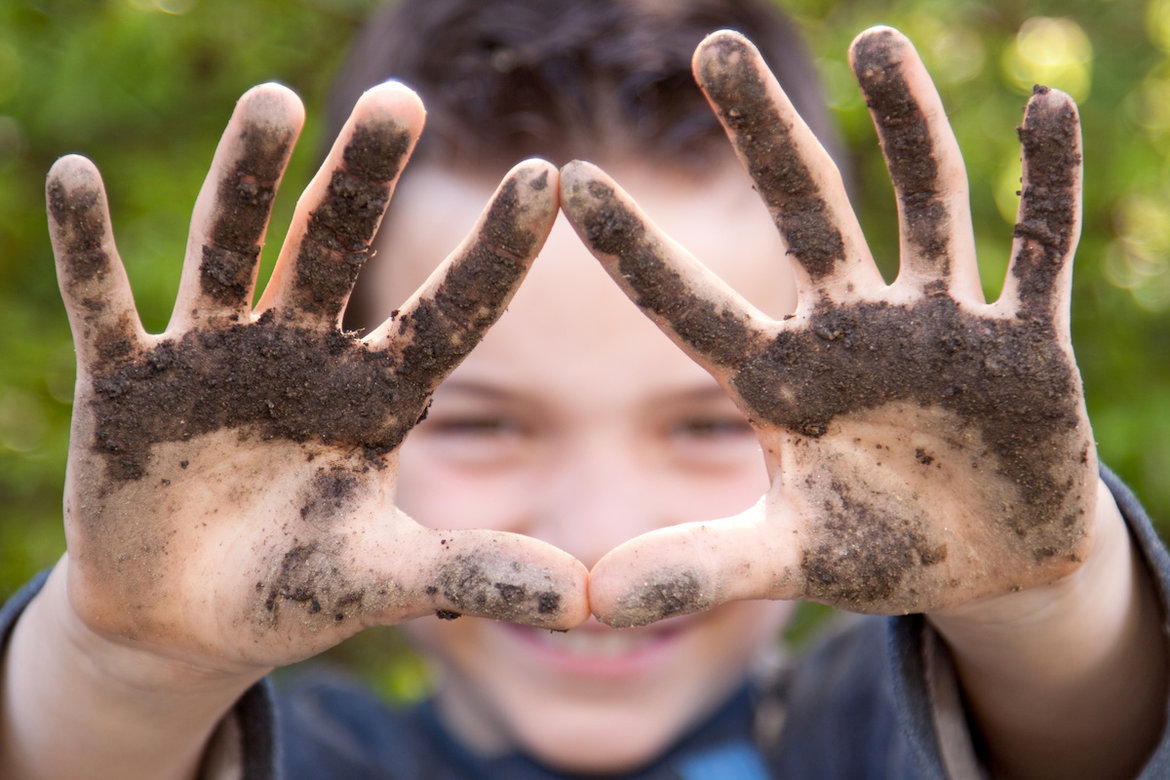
(694, 566)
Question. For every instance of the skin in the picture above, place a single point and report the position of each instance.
(154, 617)
(577, 422)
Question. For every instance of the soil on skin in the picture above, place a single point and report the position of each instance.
(1007, 381)
(339, 230)
(670, 593)
(307, 577)
(266, 379)
(1051, 139)
(243, 204)
(273, 379)
(494, 589)
(764, 143)
(908, 147)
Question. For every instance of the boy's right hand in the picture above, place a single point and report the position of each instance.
(230, 491)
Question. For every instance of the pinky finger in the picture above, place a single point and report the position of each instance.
(93, 282)
(1039, 279)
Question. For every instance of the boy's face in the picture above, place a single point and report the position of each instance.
(576, 421)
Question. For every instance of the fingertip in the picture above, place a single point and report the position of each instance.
(272, 104)
(536, 183)
(584, 186)
(621, 599)
(73, 173)
(76, 200)
(720, 45)
(505, 577)
(392, 102)
(576, 173)
(880, 43)
(1048, 105)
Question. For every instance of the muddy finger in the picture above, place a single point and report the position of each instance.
(705, 317)
(93, 282)
(233, 208)
(448, 315)
(1049, 221)
(794, 175)
(922, 155)
(338, 215)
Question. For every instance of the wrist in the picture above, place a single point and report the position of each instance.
(1075, 669)
(156, 713)
(1089, 596)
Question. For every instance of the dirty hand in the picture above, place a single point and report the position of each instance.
(925, 448)
(230, 491)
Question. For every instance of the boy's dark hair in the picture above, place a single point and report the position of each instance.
(503, 80)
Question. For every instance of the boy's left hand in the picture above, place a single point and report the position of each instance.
(926, 448)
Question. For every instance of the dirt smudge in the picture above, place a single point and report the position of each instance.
(243, 204)
(662, 595)
(866, 555)
(309, 577)
(495, 588)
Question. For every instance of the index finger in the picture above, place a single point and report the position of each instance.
(440, 324)
(704, 316)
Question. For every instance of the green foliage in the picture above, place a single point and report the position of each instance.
(144, 88)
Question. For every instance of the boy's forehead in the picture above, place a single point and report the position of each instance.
(718, 218)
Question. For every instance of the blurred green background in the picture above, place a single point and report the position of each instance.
(144, 87)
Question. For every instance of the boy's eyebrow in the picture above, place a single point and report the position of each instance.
(474, 387)
(479, 390)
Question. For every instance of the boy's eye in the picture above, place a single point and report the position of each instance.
(474, 426)
(712, 427)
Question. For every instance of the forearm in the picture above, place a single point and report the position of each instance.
(1068, 680)
(73, 705)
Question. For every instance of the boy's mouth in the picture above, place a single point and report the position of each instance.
(595, 650)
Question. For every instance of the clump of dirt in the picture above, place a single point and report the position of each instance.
(307, 577)
(764, 143)
(497, 589)
(267, 379)
(668, 593)
(907, 145)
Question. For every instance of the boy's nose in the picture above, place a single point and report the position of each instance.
(596, 497)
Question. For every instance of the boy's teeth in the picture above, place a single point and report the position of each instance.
(598, 644)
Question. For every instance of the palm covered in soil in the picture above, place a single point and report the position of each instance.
(926, 448)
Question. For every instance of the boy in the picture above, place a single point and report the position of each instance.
(234, 484)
